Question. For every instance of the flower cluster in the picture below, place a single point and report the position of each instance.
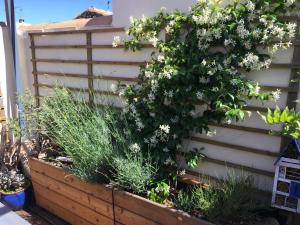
(11, 181)
(197, 75)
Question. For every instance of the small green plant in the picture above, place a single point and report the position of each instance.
(133, 171)
(183, 201)
(160, 192)
(230, 201)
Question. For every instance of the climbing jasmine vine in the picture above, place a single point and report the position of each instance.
(196, 76)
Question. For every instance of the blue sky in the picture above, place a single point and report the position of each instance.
(43, 11)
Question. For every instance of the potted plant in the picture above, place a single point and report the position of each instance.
(12, 188)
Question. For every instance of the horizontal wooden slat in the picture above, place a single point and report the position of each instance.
(55, 209)
(102, 77)
(285, 65)
(100, 191)
(236, 147)
(121, 63)
(101, 30)
(104, 46)
(87, 200)
(242, 128)
(132, 209)
(70, 205)
(241, 167)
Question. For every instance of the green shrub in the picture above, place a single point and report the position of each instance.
(133, 171)
(160, 192)
(85, 133)
(232, 200)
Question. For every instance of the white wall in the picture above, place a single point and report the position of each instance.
(7, 73)
(123, 9)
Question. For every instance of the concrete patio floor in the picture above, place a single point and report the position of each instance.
(8, 217)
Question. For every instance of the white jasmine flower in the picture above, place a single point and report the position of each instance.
(199, 95)
(166, 149)
(257, 89)
(251, 6)
(241, 30)
(169, 94)
(149, 74)
(182, 172)
(211, 133)
(154, 41)
(161, 58)
(151, 97)
(135, 148)
(169, 161)
(152, 114)
(140, 125)
(228, 42)
(116, 42)
(288, 3)
(165, 128)
(204, 62)
(276, 95)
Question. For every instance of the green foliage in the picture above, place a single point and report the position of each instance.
(233, 200)
(288, 117)
(85, 133)
(184, 201)
(160, 192)
(202, 61)
(133, 172)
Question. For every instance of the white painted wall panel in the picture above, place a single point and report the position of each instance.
(118, 54)
(116, 70)
(106, 38)
(276, 77)
(255, 121)
(66, 39)
(64, 81)
(220, 171)
(62, 68)
(244, 138)
(66, 54)
(235, 156)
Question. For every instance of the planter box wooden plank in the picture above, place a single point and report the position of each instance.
(74, 207)
(60, 211)
(100, 191)
(129, 218)
(81, 203)
(152, 211)
(76, 195)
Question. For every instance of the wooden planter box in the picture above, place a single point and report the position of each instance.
(79, 202)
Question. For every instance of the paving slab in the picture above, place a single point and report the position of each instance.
(9, 217)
